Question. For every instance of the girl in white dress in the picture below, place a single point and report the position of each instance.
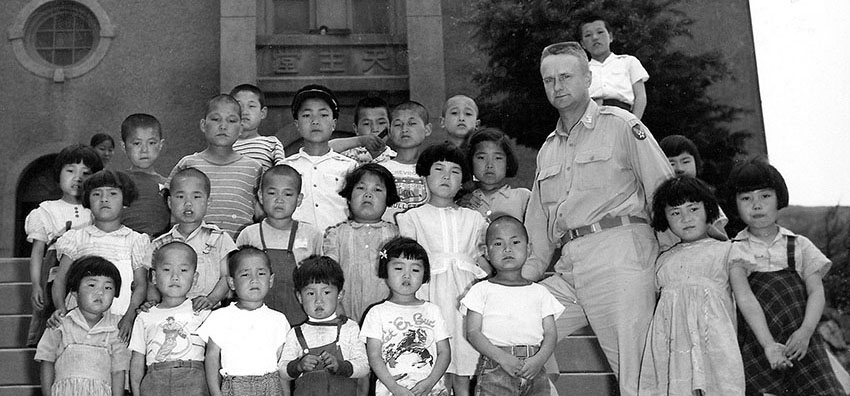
(451, 235)
(691, 348)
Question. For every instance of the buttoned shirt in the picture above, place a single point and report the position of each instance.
(613, 78)
(756, 255)
(322, 176)
(607, 164)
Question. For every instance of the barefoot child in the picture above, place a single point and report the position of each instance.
(369, 190)
(168, 355)
(84, 355)
(324, 355)
(691, 347)
(244, 339)
(406, 338)
(45, 224)
(777, 277)
(510, 320)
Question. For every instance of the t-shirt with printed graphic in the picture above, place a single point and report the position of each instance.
(412, 190)
(409, 336)
(168, 334)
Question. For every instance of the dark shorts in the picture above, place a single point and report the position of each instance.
(495, 381)
(252, 385)
(177, 378)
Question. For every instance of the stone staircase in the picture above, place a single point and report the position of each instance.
(18, 371)
(584, 370)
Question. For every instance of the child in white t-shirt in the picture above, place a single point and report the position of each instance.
(510, 320)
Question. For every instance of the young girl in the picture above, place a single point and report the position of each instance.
(685, 160)
(691, 347)
(368, 189)
(84, 355)
(451, 235)
(777, 279)
(104, 146)
(406, 338)
(491, 157)
(45, 224)
(106, 193)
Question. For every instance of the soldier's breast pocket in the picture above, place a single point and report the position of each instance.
(594, 168)
(551, 187)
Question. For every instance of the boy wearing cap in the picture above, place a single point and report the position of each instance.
(315, 111)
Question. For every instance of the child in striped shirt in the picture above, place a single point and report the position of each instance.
(232, 175)
(267, 150)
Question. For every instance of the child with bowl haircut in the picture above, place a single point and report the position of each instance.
(245, 339)
(141, 140)
(189, 196)
(509, 319)
(285, 241)
(168, 355)
(267, 150)
(315, 111)
(232, 175)
(323, 355)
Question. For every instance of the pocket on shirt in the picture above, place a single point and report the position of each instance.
(332, 182)
(594, 168)
(551, 189)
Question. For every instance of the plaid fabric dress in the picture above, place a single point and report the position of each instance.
(782, 295)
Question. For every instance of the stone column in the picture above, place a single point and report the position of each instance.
(238, 43)
(426, 65)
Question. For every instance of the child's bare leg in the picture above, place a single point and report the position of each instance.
(459, 384)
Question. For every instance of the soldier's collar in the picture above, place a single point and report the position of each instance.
(588, 119)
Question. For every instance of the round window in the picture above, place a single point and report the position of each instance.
(62, 33)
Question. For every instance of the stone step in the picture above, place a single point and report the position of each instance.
(13, 330)
(16, 298)
(20, 390)
(14, 270)
(17, 367)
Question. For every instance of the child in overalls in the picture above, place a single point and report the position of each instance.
(777, 278)
(84, 356)
(324, 355)
(284, 240)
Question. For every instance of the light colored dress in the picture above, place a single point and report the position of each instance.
(692, 342)
(355, 246)
(451, 237)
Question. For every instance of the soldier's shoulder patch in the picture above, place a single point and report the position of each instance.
(638, 132)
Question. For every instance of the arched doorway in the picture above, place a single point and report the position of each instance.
(36, 184)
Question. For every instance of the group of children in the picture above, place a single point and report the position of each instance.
(355, 255)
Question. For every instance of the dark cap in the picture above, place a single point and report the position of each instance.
(314, 91)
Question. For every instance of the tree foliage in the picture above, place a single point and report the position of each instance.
(513, 32)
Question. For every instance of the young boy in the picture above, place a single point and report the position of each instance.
(267, 150)
(232, 176)
(188, 199)
(460, 118)
(284, 240)
(245, 339)
(408, 130)
(617, 80)
(141, 140)
(510, 320)
(315, 111)
(165, 336)
(323, 355)
(371, 119)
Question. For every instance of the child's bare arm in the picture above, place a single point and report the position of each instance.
(212, 364)
(482, 344)
(534, 364)
(373, 351)
(48, 374)
(137, 371)
(118, 383)
(59, 284)
(139, 292)
(754, 315)
(798, 344)
(444, 356)
(639, 106)
(371, 142)
(217, 294)
(36, 261)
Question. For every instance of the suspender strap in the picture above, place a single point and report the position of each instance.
(292, 233)
(262, 237)
(301, 341)
(792, 262)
